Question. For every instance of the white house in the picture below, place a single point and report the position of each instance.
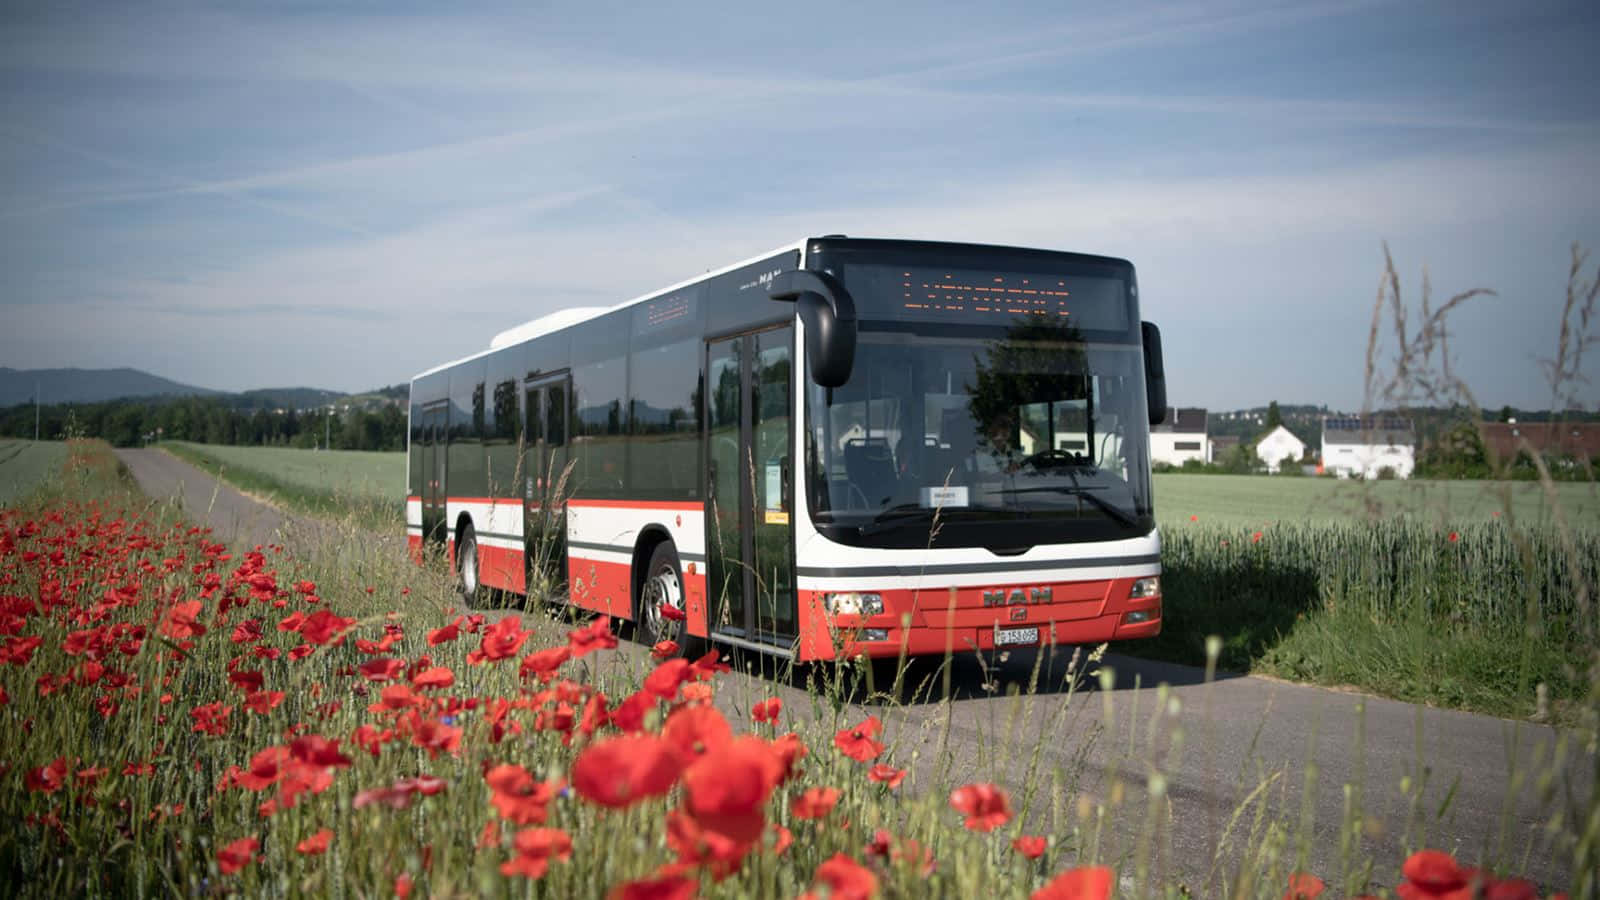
(1180, 437)
(1279, 443)
(1364, 446)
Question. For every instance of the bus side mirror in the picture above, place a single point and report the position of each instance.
(1155, 373)
(830, 319)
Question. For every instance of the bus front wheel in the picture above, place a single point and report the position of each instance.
(662, 607)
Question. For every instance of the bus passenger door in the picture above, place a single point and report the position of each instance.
(544, 461)
(433, 473)
(749, 541)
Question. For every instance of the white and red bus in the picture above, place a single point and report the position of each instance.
(843, 446)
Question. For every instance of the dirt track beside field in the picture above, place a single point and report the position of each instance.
(1237, 731)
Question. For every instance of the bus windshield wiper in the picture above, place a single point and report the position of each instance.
(1087, 493)
(897, 516)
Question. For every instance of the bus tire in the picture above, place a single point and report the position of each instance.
(469, 581)
(663, 585)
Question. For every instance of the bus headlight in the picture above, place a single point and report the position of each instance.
(1145, 588)
(853, 604)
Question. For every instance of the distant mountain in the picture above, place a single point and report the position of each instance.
(88, 385)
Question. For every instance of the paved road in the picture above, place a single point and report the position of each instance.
(1232, 734)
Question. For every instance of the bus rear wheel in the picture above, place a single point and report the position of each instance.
(662, 609)
(467, 581)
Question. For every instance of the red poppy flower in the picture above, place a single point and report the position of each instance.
(1082, 883)
(666, 678)
(500, 641)
(237, 855)
(447, 633)
(844, 878)
(666, 887)
(886, 774)
(767, 710)
(857, 742)
(433, 677)
(1455, 536)
(211, 719)
(1304, 886)
(630, 714)
(985, 806)
(709, 666)
(402, 882)
(782, 838)
(1255, 538)
(594, 636)
(1511, 889)
(323, 627)
(814, 803)
(697, 693)
(47, 779)
(1029, 845)
(545, 663)
(789, 751)
(18, 650)
(381, 669)
(435, 736)
(885, 845)
(670, 612)
(317, 843)
(1431, 873)
(247, 681)
(535, 847)
(316, 750)
(621, 771)
(726, 788)
(664, 650)
(490, 835)
(179, 622)
(693, 730)
(518, 796)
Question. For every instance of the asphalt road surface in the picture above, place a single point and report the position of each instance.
(1222, 742)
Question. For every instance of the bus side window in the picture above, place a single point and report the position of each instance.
(555, 416)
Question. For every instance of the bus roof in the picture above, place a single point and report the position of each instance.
(565, 318)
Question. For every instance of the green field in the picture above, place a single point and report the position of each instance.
(1256, 501)
(366, 486)
(25, 464)
(356, 473)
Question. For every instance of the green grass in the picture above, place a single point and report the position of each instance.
(368, 485)
(1394, 607)
(25, 465)
(1257, 501)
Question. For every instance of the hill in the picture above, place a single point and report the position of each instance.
(88, 385)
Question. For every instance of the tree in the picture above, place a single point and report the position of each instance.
(1505, 413)
(1274, 415)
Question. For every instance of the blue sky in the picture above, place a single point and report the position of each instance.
(247, 195)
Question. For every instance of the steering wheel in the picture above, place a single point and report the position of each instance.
(1049, 456)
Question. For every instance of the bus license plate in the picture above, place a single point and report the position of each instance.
(1004, 636)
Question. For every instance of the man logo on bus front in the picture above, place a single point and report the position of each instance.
(1016, 596)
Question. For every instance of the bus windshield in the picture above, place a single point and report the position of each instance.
(1002, 434)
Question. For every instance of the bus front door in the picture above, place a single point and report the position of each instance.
(749, 539)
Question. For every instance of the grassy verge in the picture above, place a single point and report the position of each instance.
(324, 495)
(1474, 618)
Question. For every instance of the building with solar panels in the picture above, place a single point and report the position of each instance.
(1364, 446)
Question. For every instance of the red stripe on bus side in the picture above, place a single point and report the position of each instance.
(637, 504)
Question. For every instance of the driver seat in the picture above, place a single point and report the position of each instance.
(869, 465)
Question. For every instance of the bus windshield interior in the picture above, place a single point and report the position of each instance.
(995, 424)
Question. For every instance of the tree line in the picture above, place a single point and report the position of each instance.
(208, 420)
